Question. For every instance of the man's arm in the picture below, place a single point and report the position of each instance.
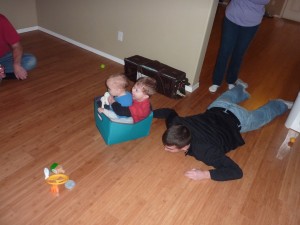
(165, 113)
(227, 171)
(224, 167)
(19, 71)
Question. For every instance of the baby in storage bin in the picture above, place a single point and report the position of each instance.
(142, 90)
(116, 87)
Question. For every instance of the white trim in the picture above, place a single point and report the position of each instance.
(115, 59)
(27, 29)
(191, 88)
(88, 48)
(277, 16)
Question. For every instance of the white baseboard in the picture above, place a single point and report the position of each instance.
(88, 48)
(27, 29)
(191, 88)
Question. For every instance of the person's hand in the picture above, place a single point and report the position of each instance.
(111, 99)
(20, 72)
(196, 174)
(2, 73)
(100, 110)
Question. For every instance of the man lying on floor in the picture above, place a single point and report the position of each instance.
(212, 134)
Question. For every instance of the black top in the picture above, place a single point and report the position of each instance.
(214, 133)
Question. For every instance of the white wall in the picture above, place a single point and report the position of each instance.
(175, 32)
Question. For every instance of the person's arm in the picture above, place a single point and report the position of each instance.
(19, 71)
(120, 110)
(165, 113)
(224, 167)
(224, 170)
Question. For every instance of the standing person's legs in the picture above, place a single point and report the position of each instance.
(245, 36)
(228, 40)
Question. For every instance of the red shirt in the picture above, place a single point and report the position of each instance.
(140, 110)
(8, 35)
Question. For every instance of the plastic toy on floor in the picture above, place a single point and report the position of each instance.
(114, 132)
(57, 178)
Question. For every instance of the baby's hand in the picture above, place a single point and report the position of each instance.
(100, 110)
(111, 99)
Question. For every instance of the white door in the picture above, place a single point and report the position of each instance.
(291, 10)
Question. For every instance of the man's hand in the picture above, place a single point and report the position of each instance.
(196, 174)
(20, 72)
(2, 73)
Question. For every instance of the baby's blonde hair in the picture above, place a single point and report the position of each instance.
(120, 80)
(148, 85)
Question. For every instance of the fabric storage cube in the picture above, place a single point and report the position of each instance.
(170, 81)
(132, 64)
(114, 132)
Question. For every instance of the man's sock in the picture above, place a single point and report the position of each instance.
(287, 103)
(240, 82)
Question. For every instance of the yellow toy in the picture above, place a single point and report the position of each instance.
(292, 139)
(58, 178)
(55, 180)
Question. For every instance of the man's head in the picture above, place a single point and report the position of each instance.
(117, 84)
(177, 138)
(143, 88)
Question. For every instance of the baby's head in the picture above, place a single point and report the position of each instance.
(143, 88)
(117, 84)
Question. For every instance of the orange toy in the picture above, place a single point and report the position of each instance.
(55, 180)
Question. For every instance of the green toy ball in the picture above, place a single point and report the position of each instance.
(102, 66)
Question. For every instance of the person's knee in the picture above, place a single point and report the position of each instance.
(30, 62)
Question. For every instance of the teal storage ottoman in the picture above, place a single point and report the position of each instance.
(114, 133)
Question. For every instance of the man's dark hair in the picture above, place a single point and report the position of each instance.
(178, 135)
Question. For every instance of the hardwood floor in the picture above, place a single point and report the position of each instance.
(49, 118)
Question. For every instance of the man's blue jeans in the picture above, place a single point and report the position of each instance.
(28, 62)
(234, 43)
(250, 120)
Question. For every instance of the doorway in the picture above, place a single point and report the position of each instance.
(291, 10)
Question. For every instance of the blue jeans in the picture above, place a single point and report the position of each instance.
(250, 120)
(234, 43)
(28, 62)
